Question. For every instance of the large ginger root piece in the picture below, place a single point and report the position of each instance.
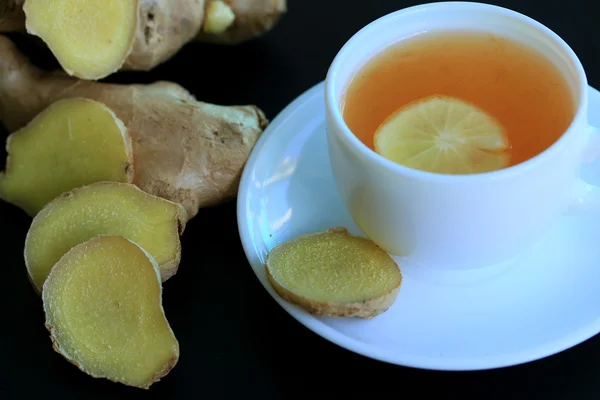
(104, 208)
(103, 307)
(93, 38)
(73, 142)
(334, 273)
(186, 151)
(236, 21)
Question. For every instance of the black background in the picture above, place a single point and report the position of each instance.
(235, 340)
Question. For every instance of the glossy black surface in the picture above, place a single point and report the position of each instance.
(236, 342)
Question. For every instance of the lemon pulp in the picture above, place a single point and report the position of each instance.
(443, 135)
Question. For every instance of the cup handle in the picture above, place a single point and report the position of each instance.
(586, 197)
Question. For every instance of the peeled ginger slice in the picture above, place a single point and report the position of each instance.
(104, 208)
(90, 38)
(334, 273)
(444, 135)
(103, 307)
(73, 142)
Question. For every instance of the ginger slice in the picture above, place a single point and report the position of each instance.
(334, 273)
(104, 208)
(71, 143)
(103, 308)
(90, 38)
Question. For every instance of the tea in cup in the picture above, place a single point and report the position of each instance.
(456, 132)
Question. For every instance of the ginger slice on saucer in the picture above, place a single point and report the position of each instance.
(334, 273)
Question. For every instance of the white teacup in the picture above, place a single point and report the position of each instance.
(458, 221)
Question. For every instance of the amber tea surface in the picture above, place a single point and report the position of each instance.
(516, 85)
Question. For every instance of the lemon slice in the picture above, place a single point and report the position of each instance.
(443, 135)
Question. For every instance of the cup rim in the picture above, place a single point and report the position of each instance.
(360, 149)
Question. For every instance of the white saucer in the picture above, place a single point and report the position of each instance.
(544, 302)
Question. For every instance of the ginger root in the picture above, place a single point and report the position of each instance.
(103, 308)
(73, 142)
(92, 39)
(334, 273)
(253, 18)
(104, 208)
(186, 151)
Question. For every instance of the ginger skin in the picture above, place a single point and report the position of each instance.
(186, 151)
(164, 27)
